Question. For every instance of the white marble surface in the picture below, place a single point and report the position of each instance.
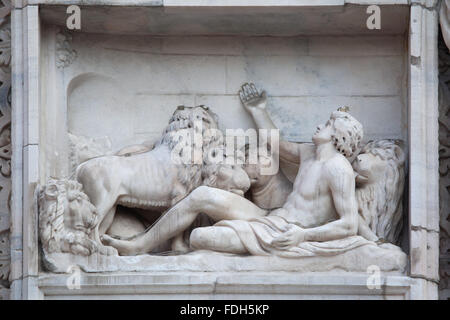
(211, 285)
(349, 19)
(139, 80)
(421, 97)
(214, 3)
(209, 261)
(424, 145)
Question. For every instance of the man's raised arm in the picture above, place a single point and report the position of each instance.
(255, 104)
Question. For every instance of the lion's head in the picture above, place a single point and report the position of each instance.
(230, 177)
(197, 144)
(185, 117)
(66, 218)
(380, 183)
(189, 124)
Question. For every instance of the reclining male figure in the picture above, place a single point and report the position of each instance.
(321, 207)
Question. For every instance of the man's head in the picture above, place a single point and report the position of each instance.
(344, 131)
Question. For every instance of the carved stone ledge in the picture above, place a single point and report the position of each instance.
(357, 260)
(214, 285)
(5, 147)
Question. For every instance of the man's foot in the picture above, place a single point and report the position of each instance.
(107, 250)
(124, 247)
(178, 245)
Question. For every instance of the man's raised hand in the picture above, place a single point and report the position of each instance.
(251, 98)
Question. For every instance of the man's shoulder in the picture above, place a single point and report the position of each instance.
(338, 165)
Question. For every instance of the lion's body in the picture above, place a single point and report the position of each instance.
(147, 181)
(155, 179)
(382, 215)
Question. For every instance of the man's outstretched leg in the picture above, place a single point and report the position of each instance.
(222, 239)
(217, 204)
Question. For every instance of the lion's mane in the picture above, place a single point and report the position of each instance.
(187, 126)
(380, 202)
(56, 233)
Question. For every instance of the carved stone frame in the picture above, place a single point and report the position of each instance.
(422, 279)
(5, 147)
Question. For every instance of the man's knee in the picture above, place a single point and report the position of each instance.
(199, 238)
(201, 195)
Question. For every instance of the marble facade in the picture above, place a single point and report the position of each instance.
(117, 82)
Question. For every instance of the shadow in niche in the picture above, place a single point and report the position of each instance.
(403, 241)
(444, 163)
(97, 106)
(129, 223)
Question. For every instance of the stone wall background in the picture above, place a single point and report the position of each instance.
(139, 80)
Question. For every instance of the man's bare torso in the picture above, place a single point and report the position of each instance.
(310, 204)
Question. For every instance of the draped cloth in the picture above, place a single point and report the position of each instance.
(257, 235)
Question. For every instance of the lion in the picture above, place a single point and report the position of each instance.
(66, 218)
(156, 179)
(380, 175)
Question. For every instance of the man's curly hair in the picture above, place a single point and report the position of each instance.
(348, 133)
